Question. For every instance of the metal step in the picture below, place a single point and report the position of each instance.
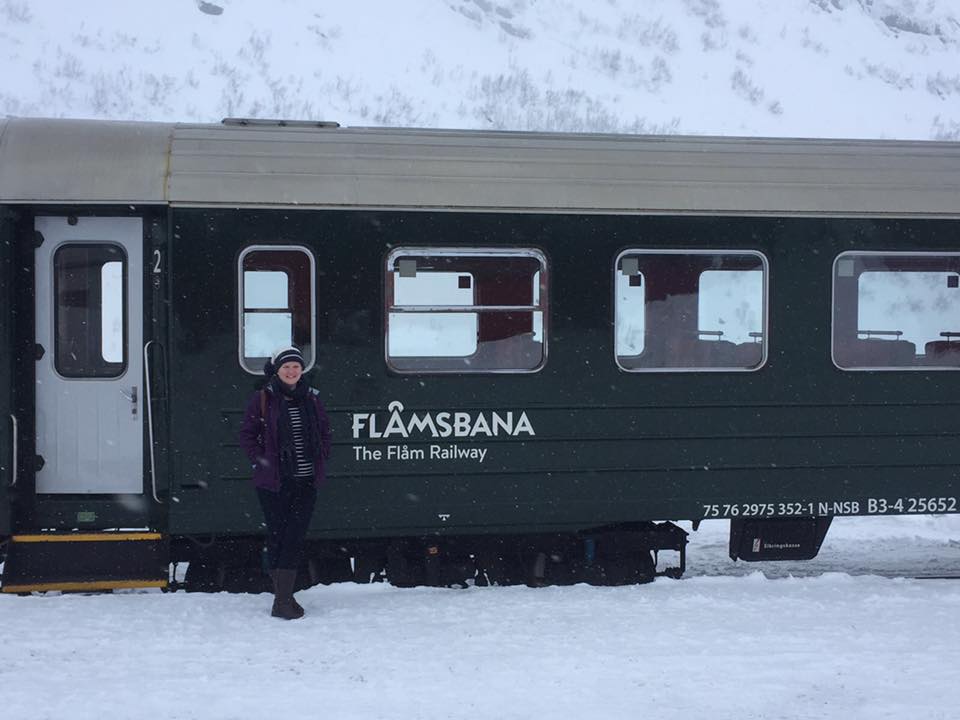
(77, 562)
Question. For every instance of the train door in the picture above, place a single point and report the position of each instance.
(89, 370)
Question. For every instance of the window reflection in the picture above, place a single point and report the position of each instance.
(690, 310)
(896, 310)
(474, 310)
(90, 312)
(276, 303)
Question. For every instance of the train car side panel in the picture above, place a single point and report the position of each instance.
(597, 444)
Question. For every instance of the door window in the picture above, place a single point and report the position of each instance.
(90, 316)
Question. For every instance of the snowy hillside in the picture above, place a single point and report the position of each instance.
(830, 68)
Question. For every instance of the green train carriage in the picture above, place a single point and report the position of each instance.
(535, 348)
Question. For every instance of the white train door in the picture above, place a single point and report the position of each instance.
(89, 402)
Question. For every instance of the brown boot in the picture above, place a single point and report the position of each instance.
(284, 606)
(273, 579)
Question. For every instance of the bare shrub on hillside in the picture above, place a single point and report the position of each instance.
(517, 31)
(68, 66)
(255, 49)
(745, 88)
(346, 89)
(479, 11)
(628, 70)
(946, 129)
(469, 13)
(112, 94)
(943, 85)
(659, 73)
(898, 22)
(611, 62)
(10, 105)
(231, 97)
(286, 98)
(888, 75)
(325, 36)
(590, 25)
(505, 94)
(513, 102)
(82, 40)
(827, 5)
(396, 109)
(713, 41)
(16, 12)
(123, 40)
(640, 126)
(636, 29)
(747, 33)
(575, 111)
(709, 10)
(806, 41)
(158, 90)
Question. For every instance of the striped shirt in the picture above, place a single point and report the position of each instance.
(303, 464)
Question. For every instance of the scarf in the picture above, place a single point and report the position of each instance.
(298, 395)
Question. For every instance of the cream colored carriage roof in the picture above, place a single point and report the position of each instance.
(74, 161)
(84, 161)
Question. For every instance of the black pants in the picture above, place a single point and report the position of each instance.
(287, 514)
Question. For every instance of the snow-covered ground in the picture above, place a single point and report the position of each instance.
(831, 639)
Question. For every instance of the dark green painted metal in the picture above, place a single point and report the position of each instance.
(7, 425)
(610, 446)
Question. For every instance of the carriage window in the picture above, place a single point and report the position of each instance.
(90, 287)
(896, 311)
(276, 303)
(690, 310)
(477, 310)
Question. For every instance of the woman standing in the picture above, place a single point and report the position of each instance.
(286, 436)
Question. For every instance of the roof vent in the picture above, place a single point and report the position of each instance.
(266, 122)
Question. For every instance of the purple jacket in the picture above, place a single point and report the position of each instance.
(260, 441)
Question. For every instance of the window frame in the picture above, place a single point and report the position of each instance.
(833, 314)
(124, 364)
(242, 309)
(475, 251)
(765, 341)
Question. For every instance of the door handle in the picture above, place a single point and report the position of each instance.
(132, 397)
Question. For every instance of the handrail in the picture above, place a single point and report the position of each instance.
(13, 419)
(463, 308)
(153, 465)
(868, 333)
